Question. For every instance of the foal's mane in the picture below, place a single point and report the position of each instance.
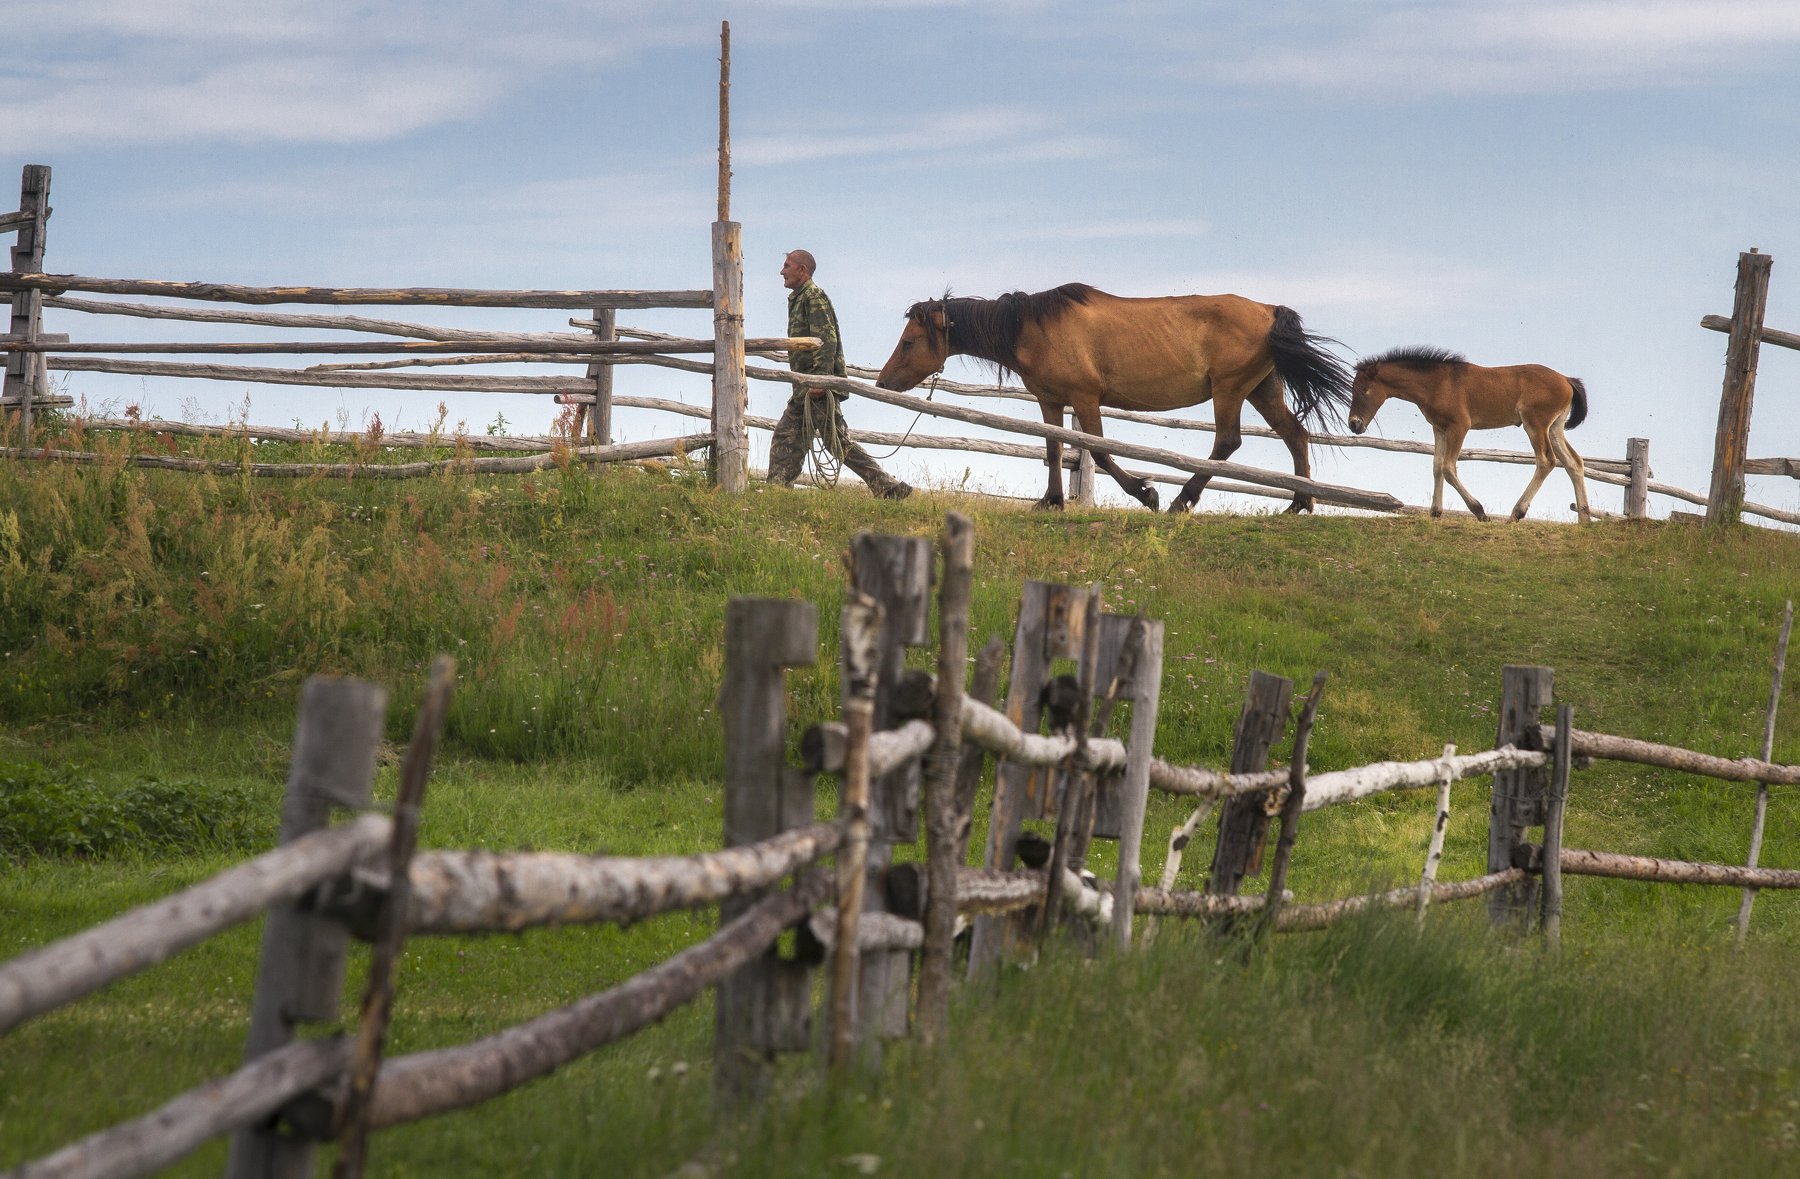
(989, 328)
(1412, 357)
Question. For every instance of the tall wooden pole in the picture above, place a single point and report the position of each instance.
(23, 369)
(731, 394)
(1725, 499)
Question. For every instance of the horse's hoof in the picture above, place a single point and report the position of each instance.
(1048, 504)
(1150, 499)
(1181, 507)
(1302, 503)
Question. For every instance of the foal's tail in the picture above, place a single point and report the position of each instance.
(1318, 381)
(1578, 406)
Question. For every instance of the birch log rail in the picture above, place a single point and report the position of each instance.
(63, 971)
(1580, 862)
(1610, 748)
(483, 892)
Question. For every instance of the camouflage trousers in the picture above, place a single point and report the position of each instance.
(824, 420)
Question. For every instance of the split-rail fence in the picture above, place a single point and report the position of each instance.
(601, 344)
(909, 744)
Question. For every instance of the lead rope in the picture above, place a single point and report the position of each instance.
(822, 453)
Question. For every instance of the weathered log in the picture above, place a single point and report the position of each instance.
(1166, 902)
(46, 978)
(874, 931)
(397, 439)
(860, 629)
(1722, 323)
(1768, 750)
(992, 890)
(483, 892)
(363, 296)
(1292, 804)
(576, 348)
(619, 452)
(251, 374)
(1556, 805)
(425, 1083)
(1299, 917)
(1741, 769)
(183, 1125)
(1579, 862)
(1199, 782)
(1347, 785)
(347, 323)
(390, 934)
(957, 546)
(1434, 853)
(1725, 494)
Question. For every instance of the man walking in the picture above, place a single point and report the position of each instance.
(812, 410)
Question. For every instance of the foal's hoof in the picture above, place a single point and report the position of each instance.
(1050, 503)
(1181, 507)
(1302, 503)
(1149, 498)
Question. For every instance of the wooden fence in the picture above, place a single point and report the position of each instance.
(908, 743)
(1731, 442)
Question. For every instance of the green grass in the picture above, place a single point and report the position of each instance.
(155, 628)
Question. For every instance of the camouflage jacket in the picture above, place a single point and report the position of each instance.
(810, 314)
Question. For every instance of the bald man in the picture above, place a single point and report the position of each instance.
(810, 411)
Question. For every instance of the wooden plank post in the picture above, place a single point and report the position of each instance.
(1518, 796)
(1052, 619)
(1290, 809)
(941, 843)
(1725, 498)
(895, 572)
(1637, 492)
(600, 371)
(764, 1008)
(24, 369)
(300, 973)
(1556, 805)
(1244, 821)
(731, 437)
(1762, 788)
(1145, 695)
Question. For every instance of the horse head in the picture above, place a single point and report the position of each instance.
(1366, 395)
(923, 348)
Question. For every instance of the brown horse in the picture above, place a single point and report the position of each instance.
(1080, 348)
(1456, 397)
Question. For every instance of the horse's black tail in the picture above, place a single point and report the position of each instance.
(1578, 406)
(1318, 381)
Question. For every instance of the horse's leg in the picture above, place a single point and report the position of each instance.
(1540, 446)
(1053, 494)
(1087, 412)
(1270, 400)
(1443, 466)
(1571, 462)
(1226, 439)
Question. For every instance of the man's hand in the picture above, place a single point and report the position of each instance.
(816, 391)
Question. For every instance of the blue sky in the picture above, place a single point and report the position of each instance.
(1562, 183)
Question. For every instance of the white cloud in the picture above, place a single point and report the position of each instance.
(1525, 47)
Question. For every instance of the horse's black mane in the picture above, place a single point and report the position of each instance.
(1413, 357)
(989, 328)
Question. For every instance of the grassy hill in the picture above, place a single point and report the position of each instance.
(154, 629)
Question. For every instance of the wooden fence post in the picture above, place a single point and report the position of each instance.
(1052, 619)
(300, 973)
(600, 371)
(1556, 805)
(941, 843)
(1637, 492)
(24, 369)
(1244, 821)
(895, 571)
(1725, 498)
(731, 438)
(860, 641)
(1145, 695)
(1518, 797)
(764, 1008)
